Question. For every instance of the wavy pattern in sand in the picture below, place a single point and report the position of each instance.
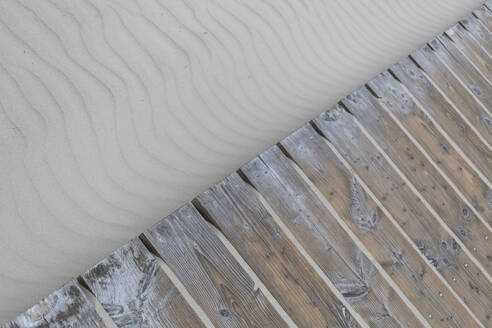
(114, 113)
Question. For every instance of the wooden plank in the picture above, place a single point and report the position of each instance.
(475, 54)
(484, 14)
(443, 113)
(326, 242)
(429, 183)
(464, 70)
(135, 290)
(418, 170)
(66, 307)
(235, 209)
(210, 273)
(428, 136)
(374, 229)
(478, 29)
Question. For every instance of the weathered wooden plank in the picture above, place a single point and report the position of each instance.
(485, 14)
(233, 206)
(473, 25)
(418, 170)
(326, 242)
(388, 246)
(66, 307)
(429, 183)
(210, 273)
(428, 136)
(464, 70)
(439, 108)
(476, 55)
(136, 292)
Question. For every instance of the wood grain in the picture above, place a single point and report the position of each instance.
(431, 186)
(136, 292)
(439, 108)
(210, 273)
(337, 184)
(235, 209)
(474, 53)
(469, 75)
(421, 128)
(476, 28)
(327, 243)
(416, 167)
(484, 13)
(66, 307)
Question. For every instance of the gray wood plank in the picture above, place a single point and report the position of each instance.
(235, 209)
(210, 273)
(477, 56)
(418, 170)
(440, 109)
(66, 307)
(379, 235)
(429, 137)
(477, 27)
(464, 70)
(427, 180)
(136, 292)
(486, 9)
(325, 240)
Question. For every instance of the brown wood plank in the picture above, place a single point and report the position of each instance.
(443, 113)
(326, 242)
(66, 307)
(233, 206)
(429, 183)
(475, 54)
(135, 290)
(210, 273)
(418, 170)
(432, 141)
(473, 25)
(388, 246)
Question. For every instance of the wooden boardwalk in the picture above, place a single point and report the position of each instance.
(377, 213)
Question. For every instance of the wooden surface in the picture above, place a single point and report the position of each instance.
(66, 307)
(211, 274)
(325, 240)
(136, 292)
(235, 209)
(377, 213)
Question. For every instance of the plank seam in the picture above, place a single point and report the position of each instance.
(177, 283)
(106, 318)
